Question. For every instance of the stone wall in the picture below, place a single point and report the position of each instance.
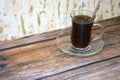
(19, 18)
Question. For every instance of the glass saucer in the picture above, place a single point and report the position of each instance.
(63, 42)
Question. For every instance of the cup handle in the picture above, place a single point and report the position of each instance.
(100, 33)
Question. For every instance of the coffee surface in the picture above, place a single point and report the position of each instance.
(81, 31)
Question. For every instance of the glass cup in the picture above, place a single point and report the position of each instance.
(82, 24)
(80, 39)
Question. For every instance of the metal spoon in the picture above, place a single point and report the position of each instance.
(96, 9)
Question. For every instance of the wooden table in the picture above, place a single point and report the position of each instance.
(36, 57)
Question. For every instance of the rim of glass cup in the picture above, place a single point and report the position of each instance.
(91, 12)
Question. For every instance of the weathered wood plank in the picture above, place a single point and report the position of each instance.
(110, 21)
(46, 36)
(45, 59)
(105, 70)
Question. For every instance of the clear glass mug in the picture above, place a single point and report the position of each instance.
(82, 24)
(80, 40)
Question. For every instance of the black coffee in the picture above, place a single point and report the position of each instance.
(81, 31)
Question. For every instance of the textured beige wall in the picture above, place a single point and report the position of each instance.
(20, 18)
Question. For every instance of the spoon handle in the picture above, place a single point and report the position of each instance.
(96, 9)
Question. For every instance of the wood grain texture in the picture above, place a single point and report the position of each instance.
(105, 70)
(42, 59)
